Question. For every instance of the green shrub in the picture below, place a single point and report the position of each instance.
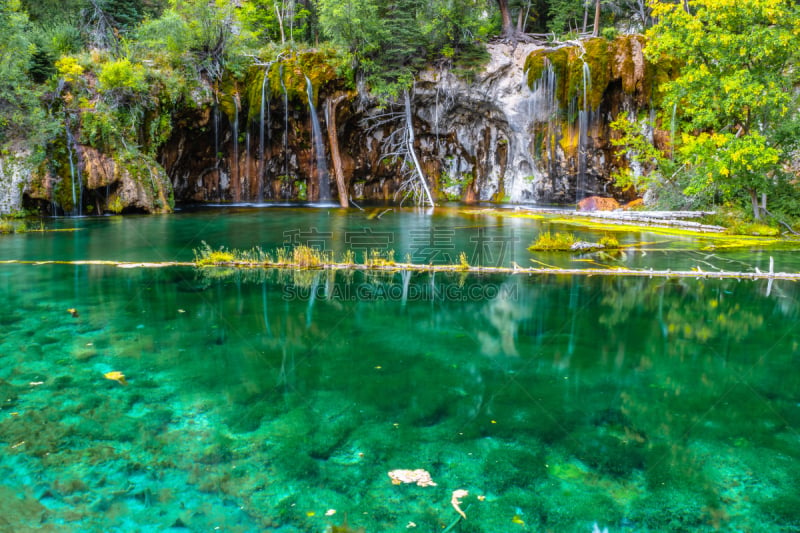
(122, 76)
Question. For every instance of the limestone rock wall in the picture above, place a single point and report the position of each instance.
(532, 126)
(15, 174)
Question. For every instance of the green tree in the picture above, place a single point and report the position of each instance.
(736, 83)
(18, 97)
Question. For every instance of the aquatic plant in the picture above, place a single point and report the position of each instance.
(553, 242)
(609, 241)
(205, 255)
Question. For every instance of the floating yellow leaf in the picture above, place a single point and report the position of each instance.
(310, 513)
(518, 520)
(117, 376)
(73, 312)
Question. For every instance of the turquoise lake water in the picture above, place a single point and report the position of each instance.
(280, 401)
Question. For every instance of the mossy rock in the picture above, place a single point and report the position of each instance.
(619, 59)
(535, 64)
(317, 64)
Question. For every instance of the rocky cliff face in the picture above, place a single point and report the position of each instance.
(15, 174)
(532, 126)
(94, 182)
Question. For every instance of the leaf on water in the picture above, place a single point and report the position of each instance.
(117, 376)
(73, 312)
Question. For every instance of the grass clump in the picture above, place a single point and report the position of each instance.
(307, 257)
(553, 242)
(207, 256)
(9, 225)
(379, 258)
(463, 263)
(609, 242)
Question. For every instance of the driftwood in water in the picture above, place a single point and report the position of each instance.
(468, 269)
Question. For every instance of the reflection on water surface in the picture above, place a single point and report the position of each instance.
(264, 402)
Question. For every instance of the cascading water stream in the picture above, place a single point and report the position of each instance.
(235, 166)
(584, 115)
(319, 147)
(261, 160)
(547, 111)
(247, 169)
(285, 124)
(74, 174)
(216, 146)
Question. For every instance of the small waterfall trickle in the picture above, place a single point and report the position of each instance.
(319, 147)
(285, 124)
(74, 174)
(584, 115)
(215, 119)
(261, 159)
(247, 175)
(546, 112)
(216, 133)
(235, 166)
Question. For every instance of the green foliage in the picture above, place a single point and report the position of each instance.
(735, 85)
(390, 41)
(566, 16)
(21, 115)
(122, 76)
(653, 167)
(264, 19)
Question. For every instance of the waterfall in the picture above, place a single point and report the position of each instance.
(216, 147)
(319, 147)
(584, 115)
(74, 173)
(261, 162)
(247, 176)
(546, 111)
(285, 124)
(235, 175)
(216, 133)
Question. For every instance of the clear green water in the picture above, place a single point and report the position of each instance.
(261, 402)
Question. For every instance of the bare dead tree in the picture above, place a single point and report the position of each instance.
(398, 146)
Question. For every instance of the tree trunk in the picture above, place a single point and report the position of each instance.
(505, 14)
(410, 147)
(280, 22)
(333, 139)
(585, 15)
(522, 20)
(754, 201)
(596, 31)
